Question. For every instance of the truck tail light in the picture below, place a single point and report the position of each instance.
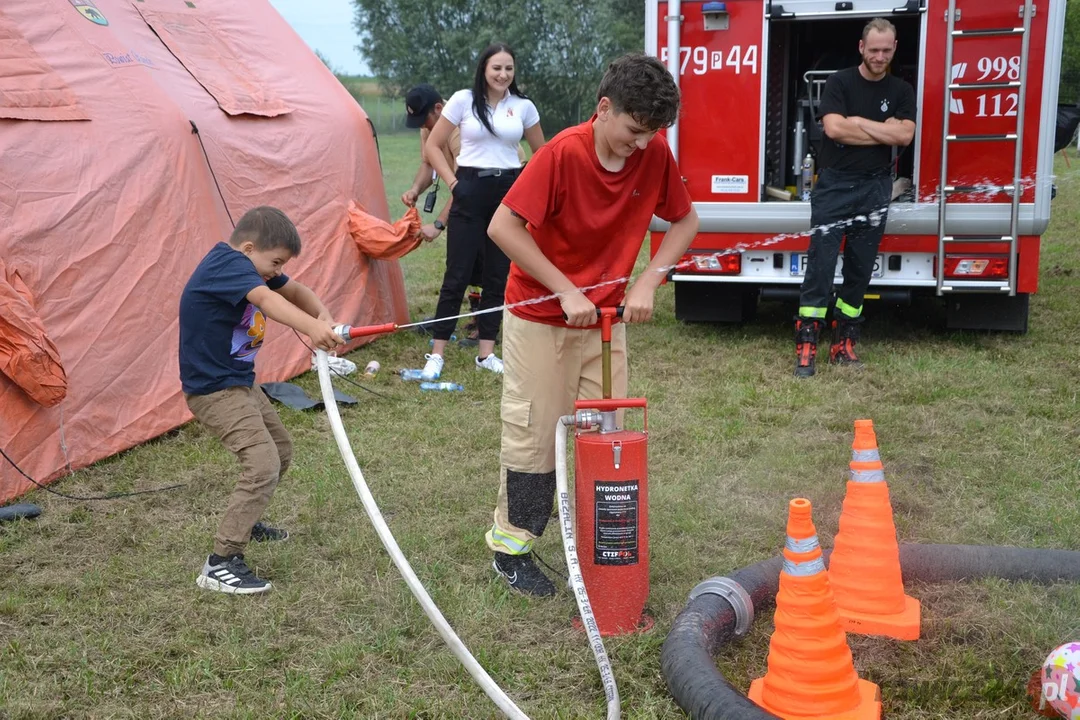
(976, 267)
(713, 263)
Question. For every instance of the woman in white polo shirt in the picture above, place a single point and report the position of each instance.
(492, 118)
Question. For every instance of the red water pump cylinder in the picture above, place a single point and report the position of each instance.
(611, 500)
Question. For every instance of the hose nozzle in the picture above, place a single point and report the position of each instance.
(348, 332)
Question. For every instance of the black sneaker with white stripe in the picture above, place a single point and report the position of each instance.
(262, 532)
(230, 575)
(521, 573)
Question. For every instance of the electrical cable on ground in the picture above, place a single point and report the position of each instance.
(554, 571)
(340, 375)
(111, 496)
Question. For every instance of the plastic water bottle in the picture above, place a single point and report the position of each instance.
(372, 369)
(410, 374)
(440, 386)
(807, 179)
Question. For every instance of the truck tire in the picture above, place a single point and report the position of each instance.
(715, 302)
(983, 311)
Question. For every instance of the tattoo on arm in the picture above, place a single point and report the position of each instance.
(516, 215)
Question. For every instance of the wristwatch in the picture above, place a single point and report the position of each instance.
(439, 225)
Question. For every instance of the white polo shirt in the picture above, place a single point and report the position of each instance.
(479, 148)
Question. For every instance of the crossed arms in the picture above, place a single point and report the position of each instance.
(857, 130)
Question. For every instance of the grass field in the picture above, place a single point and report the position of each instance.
(100, 616)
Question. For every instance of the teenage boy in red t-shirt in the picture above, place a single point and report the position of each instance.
(576, 217)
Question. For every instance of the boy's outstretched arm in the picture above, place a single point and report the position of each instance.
(638, 304)
(305, 298)
(507, 230)
(274, 306)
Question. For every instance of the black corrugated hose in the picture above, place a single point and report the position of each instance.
(708, 621)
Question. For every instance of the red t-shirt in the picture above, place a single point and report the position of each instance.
(588, 221)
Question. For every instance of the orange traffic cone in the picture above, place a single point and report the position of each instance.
(810, 674)
(864, 569)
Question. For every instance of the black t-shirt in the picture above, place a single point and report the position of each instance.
(220, 331)
(849, 94)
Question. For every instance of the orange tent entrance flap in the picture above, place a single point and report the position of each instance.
(382, 240)
(29, 88)
(27, 356)
(206, 51)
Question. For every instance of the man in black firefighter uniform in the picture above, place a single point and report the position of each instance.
(865, 112)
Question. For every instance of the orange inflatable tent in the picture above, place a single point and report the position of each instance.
(132, 134)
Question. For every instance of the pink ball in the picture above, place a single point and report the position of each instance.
(1061, 680)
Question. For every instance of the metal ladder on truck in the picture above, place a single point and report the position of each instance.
(1016, 188)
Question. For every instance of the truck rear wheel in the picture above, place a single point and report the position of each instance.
(715, 302)
(983, 311)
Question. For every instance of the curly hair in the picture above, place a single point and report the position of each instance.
(640, 85)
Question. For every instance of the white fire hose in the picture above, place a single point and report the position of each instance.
(573, 567)
(493, 691)
(457, 647)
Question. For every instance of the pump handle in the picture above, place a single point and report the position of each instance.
(614, 404)
(610, 404)
(617, 312)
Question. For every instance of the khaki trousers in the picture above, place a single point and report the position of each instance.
(546, 369)
(249, 427)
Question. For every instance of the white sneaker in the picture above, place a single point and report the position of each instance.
(432, 368)
(338, 365)
(492, 363)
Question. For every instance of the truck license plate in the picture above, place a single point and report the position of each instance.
(798, 265)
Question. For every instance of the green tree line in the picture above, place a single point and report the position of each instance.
(1070, 56)
(562, 47)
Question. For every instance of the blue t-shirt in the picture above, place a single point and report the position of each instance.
(220, 331)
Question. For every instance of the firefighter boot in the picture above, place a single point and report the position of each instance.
(806, 338)
(845, 336)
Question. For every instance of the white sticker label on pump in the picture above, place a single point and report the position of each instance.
(730, 184)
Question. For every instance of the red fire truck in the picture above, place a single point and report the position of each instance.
(971, 194)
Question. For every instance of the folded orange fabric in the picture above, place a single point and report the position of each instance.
(27, 356)
(382, 240)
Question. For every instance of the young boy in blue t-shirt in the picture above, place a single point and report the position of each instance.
(223, 312)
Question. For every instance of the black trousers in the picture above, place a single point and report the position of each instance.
(844, 205)
(467, 244)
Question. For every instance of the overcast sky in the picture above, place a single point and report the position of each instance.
(326, 26)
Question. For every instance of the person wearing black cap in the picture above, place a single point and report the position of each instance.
(423, 108)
